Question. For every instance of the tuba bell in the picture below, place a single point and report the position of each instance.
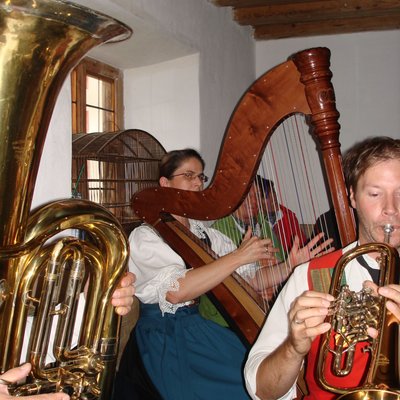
(350, 316)
(42, 273)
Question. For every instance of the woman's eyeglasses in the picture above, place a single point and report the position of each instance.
(191, 176)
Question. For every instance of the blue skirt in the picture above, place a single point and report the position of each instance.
(189, 357)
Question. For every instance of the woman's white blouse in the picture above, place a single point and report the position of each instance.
(158, 267)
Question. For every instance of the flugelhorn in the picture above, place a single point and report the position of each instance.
(350, 316)
(41, 273)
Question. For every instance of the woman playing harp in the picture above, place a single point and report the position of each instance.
(185, 355)
(169, 295)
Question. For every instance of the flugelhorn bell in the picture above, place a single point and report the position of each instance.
(350, 316)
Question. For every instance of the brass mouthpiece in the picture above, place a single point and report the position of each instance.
(387, 229)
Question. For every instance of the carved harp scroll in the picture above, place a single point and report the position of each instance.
(300, 85)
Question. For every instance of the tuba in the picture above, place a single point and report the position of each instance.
(350, 316)
(42, 273)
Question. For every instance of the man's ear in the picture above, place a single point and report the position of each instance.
(352, 198)
(163, 181)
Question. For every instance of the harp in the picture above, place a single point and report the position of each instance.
(302, 85)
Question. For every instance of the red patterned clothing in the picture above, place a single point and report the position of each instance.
(287, 227)
(317, 274)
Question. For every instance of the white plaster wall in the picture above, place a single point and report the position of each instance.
(365, 70)
(163, 99)
(54, 176)
(225, 69)
(226, 61)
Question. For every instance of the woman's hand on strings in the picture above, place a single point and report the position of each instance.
(254, 249)
(299, 255)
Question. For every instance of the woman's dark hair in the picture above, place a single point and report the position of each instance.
(366, 154)
(172, 160)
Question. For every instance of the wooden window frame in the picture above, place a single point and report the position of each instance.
(89, 66)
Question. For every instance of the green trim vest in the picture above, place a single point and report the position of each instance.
(228, 227)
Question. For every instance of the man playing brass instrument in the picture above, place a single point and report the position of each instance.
(372, 170)
(122, 301)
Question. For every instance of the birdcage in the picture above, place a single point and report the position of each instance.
(108, 168)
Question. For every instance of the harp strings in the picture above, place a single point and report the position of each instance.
(291, 174)
(281, 164)
(291, 162)
(240, 221)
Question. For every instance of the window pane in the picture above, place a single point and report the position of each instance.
(99, 120)
(96, 97)
(94, 185)
(106, 95)
(92, 91)
(93, 120)
(109, 123)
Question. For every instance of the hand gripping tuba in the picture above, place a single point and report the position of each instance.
(43, 273)
(351, 314)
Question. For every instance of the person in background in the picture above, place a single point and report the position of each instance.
(266, 278)
(185, 355)
(291, 334)
(283, 221)
(249, 215)
(326, 222)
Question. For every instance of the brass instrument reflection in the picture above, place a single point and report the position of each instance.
(40, 42)
(351, 315)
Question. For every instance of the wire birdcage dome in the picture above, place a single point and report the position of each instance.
(109, 167)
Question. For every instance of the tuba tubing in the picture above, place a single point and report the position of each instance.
(107, 253)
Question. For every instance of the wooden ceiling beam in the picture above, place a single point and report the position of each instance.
(328, 27)
(255, 3)
(274, 19)
(314, 11)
